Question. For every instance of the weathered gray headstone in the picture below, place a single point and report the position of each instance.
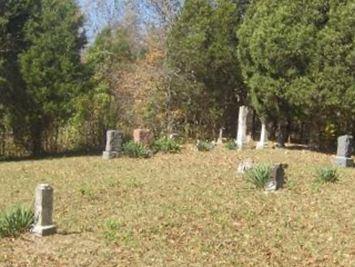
(43, 225)
(220, 137)
(263, 137)
(277, 178)
(113, 144)
(344, 151)
(242, 127)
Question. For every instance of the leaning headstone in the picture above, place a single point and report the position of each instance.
(242, 127)
(43, 224)
(277, 178)
(143, 136)
(263, 137)
(344, 151)
(113, 144)
(244, 166)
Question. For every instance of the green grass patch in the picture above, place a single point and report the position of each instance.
(328, 174)
(231, 145)
(15, 221)
(166, 145)
(258, 175)
(136, 150)
(204, 145)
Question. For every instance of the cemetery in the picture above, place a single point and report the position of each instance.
(177, 133)
(186, 207)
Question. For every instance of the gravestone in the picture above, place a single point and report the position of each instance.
(220, 137)
(344, 151)
(173, 136)
(113, 144)
(263, 137)
(43, 224)
(244, 166)
(277, 178)
(242, 127)
(143, 136)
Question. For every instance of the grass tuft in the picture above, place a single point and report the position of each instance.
(136, 150)
(15, 221)
(326, 174)
(231, 145)
(166, 145)
(111, 227)
(259, 175)
(204, 146)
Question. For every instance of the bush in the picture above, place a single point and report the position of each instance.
(231, 145)
(136, 150)
(166, 145)
(259, 175)
(204, 146)
(17, 220)
(327, 175)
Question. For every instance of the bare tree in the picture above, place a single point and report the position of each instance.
(102, 13)
(163, 12)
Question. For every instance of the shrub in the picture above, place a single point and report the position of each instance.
(327, 175)
(231, 145)
(166, 145)
(136, 150)
(204, 146)
(15, 221)
(259, 175)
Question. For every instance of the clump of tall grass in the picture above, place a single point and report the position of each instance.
(15, 221)
(328, 174)
(258, 175)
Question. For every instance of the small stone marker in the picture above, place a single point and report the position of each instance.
(244, 166)
(263, 137)
(143, 136)
(220, 137)
(344, 151)
(113, 144)
(242, 127)
(173, 136)
(277, 178)
(43, 225)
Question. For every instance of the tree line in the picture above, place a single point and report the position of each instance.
(175, 66)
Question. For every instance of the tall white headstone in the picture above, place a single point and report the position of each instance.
(263, 137)
(242, 127)
(43, 225)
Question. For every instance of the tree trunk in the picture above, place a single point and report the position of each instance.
(36, 136)
(314, 135)
(281, 133)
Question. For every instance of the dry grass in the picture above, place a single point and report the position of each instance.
(188, 209)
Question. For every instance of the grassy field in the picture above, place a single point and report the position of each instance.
(188, 209)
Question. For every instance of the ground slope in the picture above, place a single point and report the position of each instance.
(184, 209)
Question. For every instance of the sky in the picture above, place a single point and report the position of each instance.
(99, 13)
